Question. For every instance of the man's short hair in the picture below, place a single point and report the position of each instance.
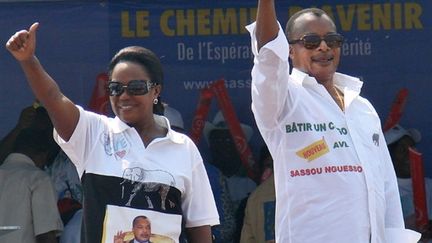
(34, 140)
(290, 26)
(139, 217)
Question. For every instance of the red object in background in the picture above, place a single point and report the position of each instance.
(201, 113)
(218, 90)
(396, 109)
(419, 189)
(67, 208)
(99, 99)
(233, 123)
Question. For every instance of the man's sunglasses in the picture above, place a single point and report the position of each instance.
(134, 87)
(313, 41)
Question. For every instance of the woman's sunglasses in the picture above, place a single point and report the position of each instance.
(313, 41)
(134, 87)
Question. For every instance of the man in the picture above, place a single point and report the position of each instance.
(334, 179)
(141, 230)
(399, 140)
(27, 197)
(259, 221)
(34, 116)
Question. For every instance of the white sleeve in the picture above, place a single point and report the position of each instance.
(393, 214)
(82, 140)
(270, 75)
(401, 236)
(198, 204)
(395, 231)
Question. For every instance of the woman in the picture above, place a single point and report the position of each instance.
(132, 164)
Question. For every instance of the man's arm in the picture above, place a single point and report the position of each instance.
(270, 73)
(266, 22)
(61, 110)
(201, 234)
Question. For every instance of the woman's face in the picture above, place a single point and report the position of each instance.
(133, 109)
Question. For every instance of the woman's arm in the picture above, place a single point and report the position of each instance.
(201, 234)
(62, 111)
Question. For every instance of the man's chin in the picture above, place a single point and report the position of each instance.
(323, 75)
(144, 239)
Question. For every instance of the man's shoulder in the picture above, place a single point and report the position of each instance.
(366, 102)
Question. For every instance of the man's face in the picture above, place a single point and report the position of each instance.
(320, 62)
(142, 230)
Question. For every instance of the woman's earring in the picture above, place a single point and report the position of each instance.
(155, 101)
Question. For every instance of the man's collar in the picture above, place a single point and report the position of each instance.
(300, 76)
(339, 79)
(135, 241)
(352, 83)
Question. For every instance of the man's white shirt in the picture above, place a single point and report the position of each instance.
(334, 178)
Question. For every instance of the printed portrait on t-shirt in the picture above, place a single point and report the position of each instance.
(123, 225)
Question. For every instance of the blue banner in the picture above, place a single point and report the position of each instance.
(199, 42)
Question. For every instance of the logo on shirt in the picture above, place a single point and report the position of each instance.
(138, 180)
(117, 145)
(375, 139)
(313, 151)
